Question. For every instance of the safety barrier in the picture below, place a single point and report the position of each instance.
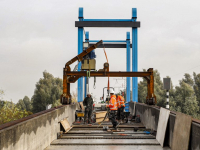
(149, 116)
(36, 131)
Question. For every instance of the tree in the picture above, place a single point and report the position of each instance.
(185, 98)
(10, 112)
(158, 90)
(142, 91)
(20, 104)
(197, 88)
(56, 103)
(1, 98)
(25, 104)
(188, 79)
(48, 90)
(1, 94)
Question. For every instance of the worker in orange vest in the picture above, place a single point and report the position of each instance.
(120, 106)
(113, 108)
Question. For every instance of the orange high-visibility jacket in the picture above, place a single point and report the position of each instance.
(113, 103)
(120, 101)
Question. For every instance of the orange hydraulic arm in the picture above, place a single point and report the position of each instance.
(81, 55)
(151, 97)
(66, 97)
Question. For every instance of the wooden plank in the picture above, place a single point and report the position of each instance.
(109, 130)
(162, 125)
(101, 119)
(118, 130)
(181, 134)
(65, 125)
(82, 107)
(101, 114)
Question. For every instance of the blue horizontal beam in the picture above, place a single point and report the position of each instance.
(121, 20)
(115, 24)
(112, 45)
(107, 41)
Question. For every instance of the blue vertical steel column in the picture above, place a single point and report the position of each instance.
(128, 69)
(80, 49)
(134, 58)
(86, 40)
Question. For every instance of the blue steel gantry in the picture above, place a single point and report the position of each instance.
(121, 23)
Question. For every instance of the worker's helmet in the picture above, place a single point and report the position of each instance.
(88, 93)
(112, 91)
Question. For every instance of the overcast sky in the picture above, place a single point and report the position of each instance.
(40, 35)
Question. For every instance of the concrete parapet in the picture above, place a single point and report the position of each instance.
(37, 132)
(149, 116)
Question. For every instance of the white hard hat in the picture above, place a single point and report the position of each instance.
(112, 91)
(88, 93)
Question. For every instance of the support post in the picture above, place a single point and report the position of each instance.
(134, 57)
(85, 87)
(167, 96)
(80, 49)
(167, 87)
(128, 69)
(86, 40)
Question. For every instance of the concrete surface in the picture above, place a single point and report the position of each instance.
(143, 109)
(195, 137)
(149, 115)
(106, 147)
(181, 134)
(39, 132)
(128, 136)
(129, 139)
(36, 133)
(105, 142)
(162, 125)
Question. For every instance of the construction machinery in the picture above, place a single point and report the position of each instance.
(107, 96)
(72, 76)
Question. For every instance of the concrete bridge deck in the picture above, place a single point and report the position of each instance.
(40, 131)
(87, 137)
